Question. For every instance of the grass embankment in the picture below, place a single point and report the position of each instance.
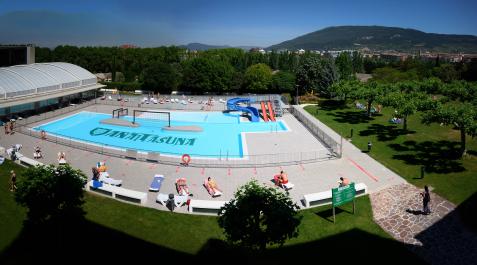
(435, 147)
(116, 231)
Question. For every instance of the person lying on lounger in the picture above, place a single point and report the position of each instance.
(213, 187)
(182, 187)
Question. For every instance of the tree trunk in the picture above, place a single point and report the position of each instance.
(369, 108)
(404, 123)
(462, 141)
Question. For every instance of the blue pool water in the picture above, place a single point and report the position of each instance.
(221, 135)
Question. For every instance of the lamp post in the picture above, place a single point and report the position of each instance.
(296, 98)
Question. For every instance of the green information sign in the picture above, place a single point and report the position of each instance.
(343, 195)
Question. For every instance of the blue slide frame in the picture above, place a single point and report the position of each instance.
(232, 104)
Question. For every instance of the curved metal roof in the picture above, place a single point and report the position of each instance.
(21, 80)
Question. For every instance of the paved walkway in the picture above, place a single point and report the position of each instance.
(438, 238)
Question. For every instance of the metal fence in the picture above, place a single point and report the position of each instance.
(314, 127)
(218, 160)
(220, 102)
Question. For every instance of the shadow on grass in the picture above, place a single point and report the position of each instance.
(437, 157)
(384, 132)
(83, 242)
(328, 213)
(351, 117)
(331, 105)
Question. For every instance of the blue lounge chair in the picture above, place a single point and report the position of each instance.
(156, 182)
(97, 184)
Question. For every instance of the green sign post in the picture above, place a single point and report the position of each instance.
(343, 195)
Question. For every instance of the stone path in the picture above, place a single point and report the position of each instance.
(438, 238)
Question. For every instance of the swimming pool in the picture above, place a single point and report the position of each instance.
(222, 133)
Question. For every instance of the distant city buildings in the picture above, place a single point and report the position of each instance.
(128, 46)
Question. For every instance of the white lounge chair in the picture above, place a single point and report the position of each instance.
(162, 198)
(180, 200)
(110, 181)
(288, 186)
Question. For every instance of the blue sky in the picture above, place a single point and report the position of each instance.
(253, 23)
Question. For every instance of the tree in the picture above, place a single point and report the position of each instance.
(461, 115)
(317, 74)
(406, 104)
(344, 64)
(207, 75)
(283, 82)
(258, 77)
(446, 72)
(345, 88)
(258, 216)
(358, 64)
(161, 77)
(370, 92)
(51, 192)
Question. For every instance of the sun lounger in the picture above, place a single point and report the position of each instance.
(162, 198)
(180, 200)
(156, 183)
(110, 181)
(288, 185)
(210, 190)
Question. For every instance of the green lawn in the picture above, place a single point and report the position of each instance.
(435, 147)
(116, 231)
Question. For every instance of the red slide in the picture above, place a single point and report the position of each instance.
(264, 111)
(270, 111)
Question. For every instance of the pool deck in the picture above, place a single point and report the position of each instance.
(308, 178)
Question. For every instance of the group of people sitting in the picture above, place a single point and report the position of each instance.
(395, 120)
(209, 183)
(364, 107)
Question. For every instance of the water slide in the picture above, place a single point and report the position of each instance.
(232, 104)
(264, 111)
(270, 111)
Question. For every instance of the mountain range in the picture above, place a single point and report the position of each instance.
(203, 47)
(379, 38)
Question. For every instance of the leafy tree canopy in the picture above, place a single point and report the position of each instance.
(50, 192)
(317, 75)
(258, 77)
(258, 216)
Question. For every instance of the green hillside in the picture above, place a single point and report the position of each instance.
(379, 38)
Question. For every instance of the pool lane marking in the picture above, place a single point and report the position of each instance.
(363, 170)
(177, 169)
(228, 173)
(255, 171)
(202, 172)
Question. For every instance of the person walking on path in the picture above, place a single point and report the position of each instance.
(369, 146)
(426, 198)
